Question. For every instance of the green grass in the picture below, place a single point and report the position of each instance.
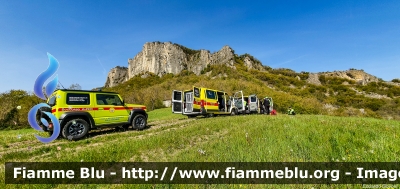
(250, 138)
(163, 114)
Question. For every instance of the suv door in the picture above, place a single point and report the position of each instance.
(176, 102)
(110, 110)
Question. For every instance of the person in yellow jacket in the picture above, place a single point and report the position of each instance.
(291, 111)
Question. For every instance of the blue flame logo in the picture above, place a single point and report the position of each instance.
(38, 90)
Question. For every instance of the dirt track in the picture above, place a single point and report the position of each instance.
(32, 145)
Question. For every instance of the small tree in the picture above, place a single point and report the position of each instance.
(396, 80)
(75, 86)
(153, 97)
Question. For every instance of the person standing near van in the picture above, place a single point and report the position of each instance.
(222, 105)
(267, 104)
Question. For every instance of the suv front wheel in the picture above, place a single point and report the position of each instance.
(75, 129)
(139, 122)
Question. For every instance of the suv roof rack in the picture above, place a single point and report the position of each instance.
(97, 91)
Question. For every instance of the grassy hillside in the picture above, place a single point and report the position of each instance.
(249, 138)
(336, 96)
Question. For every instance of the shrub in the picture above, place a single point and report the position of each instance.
(187, 50)
(9, 117)
(322, 79)
(374, 104)
(284, 71)
(304, 75)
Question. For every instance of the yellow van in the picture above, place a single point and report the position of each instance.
(201, 101)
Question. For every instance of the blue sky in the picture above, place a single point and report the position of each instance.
(88, 38)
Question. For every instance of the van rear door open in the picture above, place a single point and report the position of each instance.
(239, 101)
(176, 102)
(253, 103)
(188, 102)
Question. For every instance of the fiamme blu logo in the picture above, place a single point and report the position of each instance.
(49, 89)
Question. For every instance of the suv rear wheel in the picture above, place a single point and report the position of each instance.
(139, 122)
(75, 129)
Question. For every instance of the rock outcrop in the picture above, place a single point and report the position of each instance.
(313, 78)
(116, 76)
(158, 58)
(162, 58)
(359, 76)
(252, 63)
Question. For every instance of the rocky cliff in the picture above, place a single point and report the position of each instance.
(116, 76)
(162, 58)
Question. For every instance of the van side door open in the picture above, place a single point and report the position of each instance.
(222, 101)
(176, 102)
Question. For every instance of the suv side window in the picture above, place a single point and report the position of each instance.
(108, 99)
(78, 99)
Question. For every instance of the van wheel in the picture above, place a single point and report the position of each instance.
(75, 129)
(234, 112)
(139, 122)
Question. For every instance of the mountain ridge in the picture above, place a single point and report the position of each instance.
(162, 58)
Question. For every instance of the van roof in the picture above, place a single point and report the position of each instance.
(206, 89)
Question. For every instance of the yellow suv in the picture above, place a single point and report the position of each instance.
(80, 111)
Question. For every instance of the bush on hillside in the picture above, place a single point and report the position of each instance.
(10, 116)
(304, 75)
